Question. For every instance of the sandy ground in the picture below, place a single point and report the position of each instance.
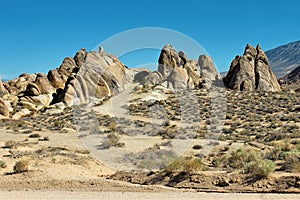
(61, 168)
(51, 163)
(140, 195)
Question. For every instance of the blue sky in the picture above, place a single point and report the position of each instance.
(36, 36)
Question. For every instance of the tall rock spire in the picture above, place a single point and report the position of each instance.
(252, 72)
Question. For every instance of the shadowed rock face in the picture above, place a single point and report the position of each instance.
(3, 90)
(251, 72)
(3, 108)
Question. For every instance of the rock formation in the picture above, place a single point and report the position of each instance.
(59, 76)
(92, 76)
(41, 85)
(78, 79)
(175, 71)
(209, 73)
(100, 75)
(18, 85)
(251, 72)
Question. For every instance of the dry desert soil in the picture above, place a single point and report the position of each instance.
(72, 155)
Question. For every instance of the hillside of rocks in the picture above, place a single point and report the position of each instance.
(93, 74)
(98, 75)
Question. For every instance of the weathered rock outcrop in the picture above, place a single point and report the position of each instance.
(77, 80)
(92, 76)
(18, 85)
(80, 57)
(41, 85)
(56, 78)
(100, 75)
(146, 77)
(251, 72)
(175, 71)
(142, 75)
(59, 76)
(209, 72)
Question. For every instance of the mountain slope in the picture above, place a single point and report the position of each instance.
(293, 76)
(285, 58)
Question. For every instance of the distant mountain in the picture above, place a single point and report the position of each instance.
(223, 74)
(293, 76)
(285, 58)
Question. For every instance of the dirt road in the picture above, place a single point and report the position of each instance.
(141, 195)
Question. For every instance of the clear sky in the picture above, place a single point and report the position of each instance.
(35, 36)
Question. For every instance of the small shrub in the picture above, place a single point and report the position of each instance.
(53, 160)
(10, 144)
(275, 154)
(27, 131)
(166, 123)
(2, 164)
(112, 140)
(113, 126)
(187, 165)
(240, 157)
(21, 166)
(84, 128)
(260, 168)
(34, 135)
(285, 145)
(280, 151)
(155, 159)
(292, 162)
(216, 162)
(58, 124)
